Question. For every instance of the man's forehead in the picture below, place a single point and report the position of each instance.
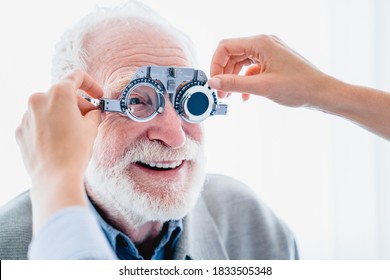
(115, 86)
(114, 56)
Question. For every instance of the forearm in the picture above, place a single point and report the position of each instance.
(49, 194)
(367, 107)
(72, 233)
(63, 225)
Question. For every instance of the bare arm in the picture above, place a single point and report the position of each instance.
(282, 75)
(367, 107)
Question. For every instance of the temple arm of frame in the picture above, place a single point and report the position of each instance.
(105, 104)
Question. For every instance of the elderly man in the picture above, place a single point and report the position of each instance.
(146, 188)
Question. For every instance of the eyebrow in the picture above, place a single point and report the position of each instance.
(115, 88)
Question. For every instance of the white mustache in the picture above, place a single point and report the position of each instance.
(155, 151)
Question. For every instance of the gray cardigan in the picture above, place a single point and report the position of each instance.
(228, 222)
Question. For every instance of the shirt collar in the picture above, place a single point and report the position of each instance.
(125, 248)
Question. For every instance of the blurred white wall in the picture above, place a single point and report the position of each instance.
(324, 176)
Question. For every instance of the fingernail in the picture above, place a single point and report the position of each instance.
(222, 94)
(215, 83)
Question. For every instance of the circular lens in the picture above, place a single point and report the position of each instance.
(197, 103)
(143, 101)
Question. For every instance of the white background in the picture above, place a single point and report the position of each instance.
(325, 177)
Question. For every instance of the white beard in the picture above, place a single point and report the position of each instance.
(113, 189)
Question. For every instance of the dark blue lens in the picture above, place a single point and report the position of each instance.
(198, 103)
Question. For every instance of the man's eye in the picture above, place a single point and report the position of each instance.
(135, 101)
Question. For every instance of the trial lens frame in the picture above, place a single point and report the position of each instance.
(184, 86)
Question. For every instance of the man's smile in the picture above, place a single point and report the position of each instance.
(161, 165)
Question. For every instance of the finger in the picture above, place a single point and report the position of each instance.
(245, 96)
(240, 65)
(94, 116)
(229, 67)
(253, 70)
(224, 83)
(252, 47)
(235, 83)
(224, 51)
(84, 105)
(65, 92)
(234, 62)
(81, 80)
(234, 66)
(222, 94)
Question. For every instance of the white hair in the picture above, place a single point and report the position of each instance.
(70, 52)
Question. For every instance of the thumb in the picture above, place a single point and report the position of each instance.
(94, 116)
(246, 84)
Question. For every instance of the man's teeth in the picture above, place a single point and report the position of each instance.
(164, 165)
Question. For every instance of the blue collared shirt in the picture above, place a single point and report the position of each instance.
(125, 248)
(80, 233)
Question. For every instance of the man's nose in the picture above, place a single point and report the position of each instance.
(167, 128)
